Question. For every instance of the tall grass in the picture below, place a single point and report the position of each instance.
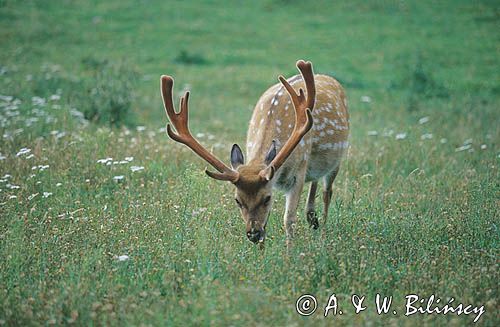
(104, 221)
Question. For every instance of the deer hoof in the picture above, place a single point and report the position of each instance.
(312, 218)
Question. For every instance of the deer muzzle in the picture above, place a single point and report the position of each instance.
(256, 235)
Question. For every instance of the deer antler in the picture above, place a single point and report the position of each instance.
(303, 116)
(183, 135)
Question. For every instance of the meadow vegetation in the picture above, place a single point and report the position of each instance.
(105, 221)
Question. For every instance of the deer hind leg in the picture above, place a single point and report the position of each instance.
(327, 192)
(311, 216)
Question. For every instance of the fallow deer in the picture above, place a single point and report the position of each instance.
(281, 153)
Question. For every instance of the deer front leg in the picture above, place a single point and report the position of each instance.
(292, 202)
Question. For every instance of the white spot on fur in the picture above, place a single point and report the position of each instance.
(334, 146)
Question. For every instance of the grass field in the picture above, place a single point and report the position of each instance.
(145, 238)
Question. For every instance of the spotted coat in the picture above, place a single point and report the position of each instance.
(322, 147)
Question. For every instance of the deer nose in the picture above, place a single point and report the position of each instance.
(255, 235)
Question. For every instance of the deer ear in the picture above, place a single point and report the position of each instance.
(236, 156)
(271, 153)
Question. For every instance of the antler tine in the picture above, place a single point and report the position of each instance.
(308, 75)
(303, 107)
(184, 136)
(167, 84)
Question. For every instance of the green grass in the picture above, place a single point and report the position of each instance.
(409, 216)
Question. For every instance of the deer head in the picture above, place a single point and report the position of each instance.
(253, 180)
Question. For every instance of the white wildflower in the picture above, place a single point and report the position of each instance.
(23, 151)
(37, 101)
(123, 257)
(47, 194)
(366, 99)
(58, 184)
(141, 128)
(423, 120)
(468, 141)
(40, 167)
(400, 136)
(388, 133)
(76, 113)
(483, 146)
(463, 148)
(426, 136)
(105, 160)
(6, 98)
(443, 141)
(129, 159)
(55, 97)
(136, 168)
(60, 134)
(118, 178)
(12, 197)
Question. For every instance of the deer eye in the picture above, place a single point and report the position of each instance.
(267, 199)
(238, 203)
